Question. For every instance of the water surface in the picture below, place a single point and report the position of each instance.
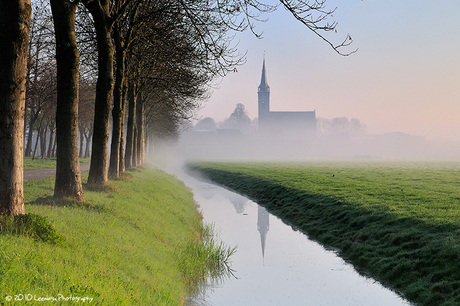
(274, 264)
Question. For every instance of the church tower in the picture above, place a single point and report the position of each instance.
(264, 97)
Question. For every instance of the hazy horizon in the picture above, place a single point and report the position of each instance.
(404, 77)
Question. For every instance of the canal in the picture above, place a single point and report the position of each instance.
(275, 264)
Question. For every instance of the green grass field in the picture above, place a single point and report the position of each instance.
(46, 163)
(128, 244)
(396, 221)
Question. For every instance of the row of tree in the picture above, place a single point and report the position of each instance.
(154, 58)
(238, 119)
(340, 126)
(41, 90)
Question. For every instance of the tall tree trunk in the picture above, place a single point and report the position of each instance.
(104, 91)
(28, 149)
(38, 139)
(14, 36)
(88, 137)
(121, 162)
(146, 140)
(25, 123)
(118, 111)
(50, 143)
(151, 146)
(140, 132)
(135, 148)
(33, 119)
(43, 142)
(36, 143)
(68, 180)
(53, 152)
(82, 139)
(132, 97)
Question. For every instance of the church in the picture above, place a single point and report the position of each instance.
(285, 125)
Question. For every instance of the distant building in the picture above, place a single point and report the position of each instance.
(292, 125)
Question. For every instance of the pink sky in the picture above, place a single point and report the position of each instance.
(405, 76)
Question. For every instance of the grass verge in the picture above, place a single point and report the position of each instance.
(124, 245)
(397, 222)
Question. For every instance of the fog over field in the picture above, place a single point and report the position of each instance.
(239, 138)
(232, 145)
(401, 85)
(403, 78)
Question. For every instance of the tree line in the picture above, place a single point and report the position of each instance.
(70, 69)
(239, 119)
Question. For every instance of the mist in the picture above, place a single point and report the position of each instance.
(351, 143)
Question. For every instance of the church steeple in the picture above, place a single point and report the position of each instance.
(264, 97)
(263, 225)
(263, 81)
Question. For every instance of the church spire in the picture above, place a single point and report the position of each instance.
(264, 98)
(263, 82)
(263, 225)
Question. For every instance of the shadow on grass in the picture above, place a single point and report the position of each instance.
(67, 202)
(31, 225)
(109, 187)
(125, 176)
(135, 169)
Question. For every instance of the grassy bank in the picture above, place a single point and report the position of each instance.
(127, 244)
(399, 222)
(46, 163)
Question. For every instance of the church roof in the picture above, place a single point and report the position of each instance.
(291, 120)
(308, 115)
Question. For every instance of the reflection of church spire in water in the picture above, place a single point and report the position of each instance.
(262, 226)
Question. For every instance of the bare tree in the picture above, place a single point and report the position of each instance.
(86, 115)
(340, 126)
(315, 15)
(14, 32)
(205, 124)
(208, 23)
(41, 77)
(243, 15)
(46, 118)
(104, 13)
(130, 129)
(124, 34)
(139, 140)
(163, 87)
(40, 96)
(239, 119)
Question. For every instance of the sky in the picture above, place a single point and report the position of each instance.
(405, 76)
